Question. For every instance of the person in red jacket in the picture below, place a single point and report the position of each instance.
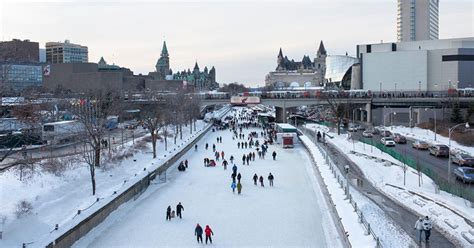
(208, 232)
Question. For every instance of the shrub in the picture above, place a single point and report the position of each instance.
(23, 208)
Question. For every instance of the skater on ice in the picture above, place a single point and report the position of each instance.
(208, 232)
(179, 209)
(270, 179)
(198, 233)
(168, 213)
(255, 178)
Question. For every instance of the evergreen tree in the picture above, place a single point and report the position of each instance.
(456, 114)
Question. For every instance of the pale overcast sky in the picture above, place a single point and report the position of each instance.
(240, 38)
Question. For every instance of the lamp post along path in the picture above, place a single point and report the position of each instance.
(466, 125)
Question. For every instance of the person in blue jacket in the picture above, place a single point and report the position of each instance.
(233, 186)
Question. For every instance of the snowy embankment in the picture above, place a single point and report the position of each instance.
(447, 211)
(292, 213)
(56, 199)
(350, 220)
(427, 135)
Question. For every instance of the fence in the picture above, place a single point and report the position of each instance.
(68, 238)
(344, 183)
(443, 184)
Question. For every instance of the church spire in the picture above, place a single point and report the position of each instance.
(196, 66)
(321, 50)
(280, 54)
(164, 50)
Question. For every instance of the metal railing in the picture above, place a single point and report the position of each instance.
(344, 183)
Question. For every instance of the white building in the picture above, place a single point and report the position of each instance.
(59, 52)
(417, 20)
(429, 65)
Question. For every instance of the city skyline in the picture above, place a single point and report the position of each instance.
(241, 39)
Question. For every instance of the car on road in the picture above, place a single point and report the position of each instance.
(400, 139)
(465, 174)
(420, 145)
(374, 131)
(387, 141)
(353, 127)
(463, 159)
(386, 133)
(439, 150)
(367, 134)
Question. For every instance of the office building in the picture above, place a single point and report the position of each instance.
(429, 65)
(417, 20)
(19, 51)
(59, 52)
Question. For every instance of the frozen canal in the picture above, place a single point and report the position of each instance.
(290, 214)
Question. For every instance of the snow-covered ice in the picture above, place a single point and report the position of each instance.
(289, 214)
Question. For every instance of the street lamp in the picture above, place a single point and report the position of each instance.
(466, 125)
(380, 88)
(434, 112)
(419, 87)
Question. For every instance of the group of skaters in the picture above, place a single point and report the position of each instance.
(260, 179)
(183, 165)
(170, 214)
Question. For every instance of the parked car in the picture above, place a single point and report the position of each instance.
(420, 145)
(367, 134)
(387, 141)
(373, 131)
(439, 150)
(353, 128)
(400, 139)
(465, 174)
(385, 133)
(463, 159)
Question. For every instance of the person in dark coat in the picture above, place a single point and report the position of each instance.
(233, 176)
(213, 147)
(168, 213)
(198, 233)
(207, 146)
(270, 179)
(318, 136)
(196, 147)
(255, 178)
(274, 154)
(248, 159)
(179, 208)
(238, 145)
(208, 232)
(225, 163)
(231, 159)
(244, 158)
(261, 181)
(234, 169)
(239, 177)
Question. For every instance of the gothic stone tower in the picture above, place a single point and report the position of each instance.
(163, 63)
(320, 64)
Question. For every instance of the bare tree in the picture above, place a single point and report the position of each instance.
(338, 106)
(92, 112)
(154, 119)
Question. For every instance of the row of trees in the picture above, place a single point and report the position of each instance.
(168, 116)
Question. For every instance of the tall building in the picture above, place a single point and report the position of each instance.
(19, 65)
(299, 73)
(418, 20)
(163, 64)
(19, 51)
(58, 52)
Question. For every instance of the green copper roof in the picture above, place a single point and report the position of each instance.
(164, 50)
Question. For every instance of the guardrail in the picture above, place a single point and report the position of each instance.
(344, 183)
(443, 184)
(68, 238)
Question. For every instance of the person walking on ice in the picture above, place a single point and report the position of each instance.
(196, 147)
(207, 146)
(233, 186)
(239, 177)
(225, 163)
(270, 179)
(208, 232)
(261, 181)
(198, 233)
(419, 228)
(179, 208)
(255, 178)
(239, 187)
(274, 154)
(168, 213)
(231, 159)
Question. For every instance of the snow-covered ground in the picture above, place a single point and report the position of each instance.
(428, 136)
(290, 214)
(445, 209)
(56, 199)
